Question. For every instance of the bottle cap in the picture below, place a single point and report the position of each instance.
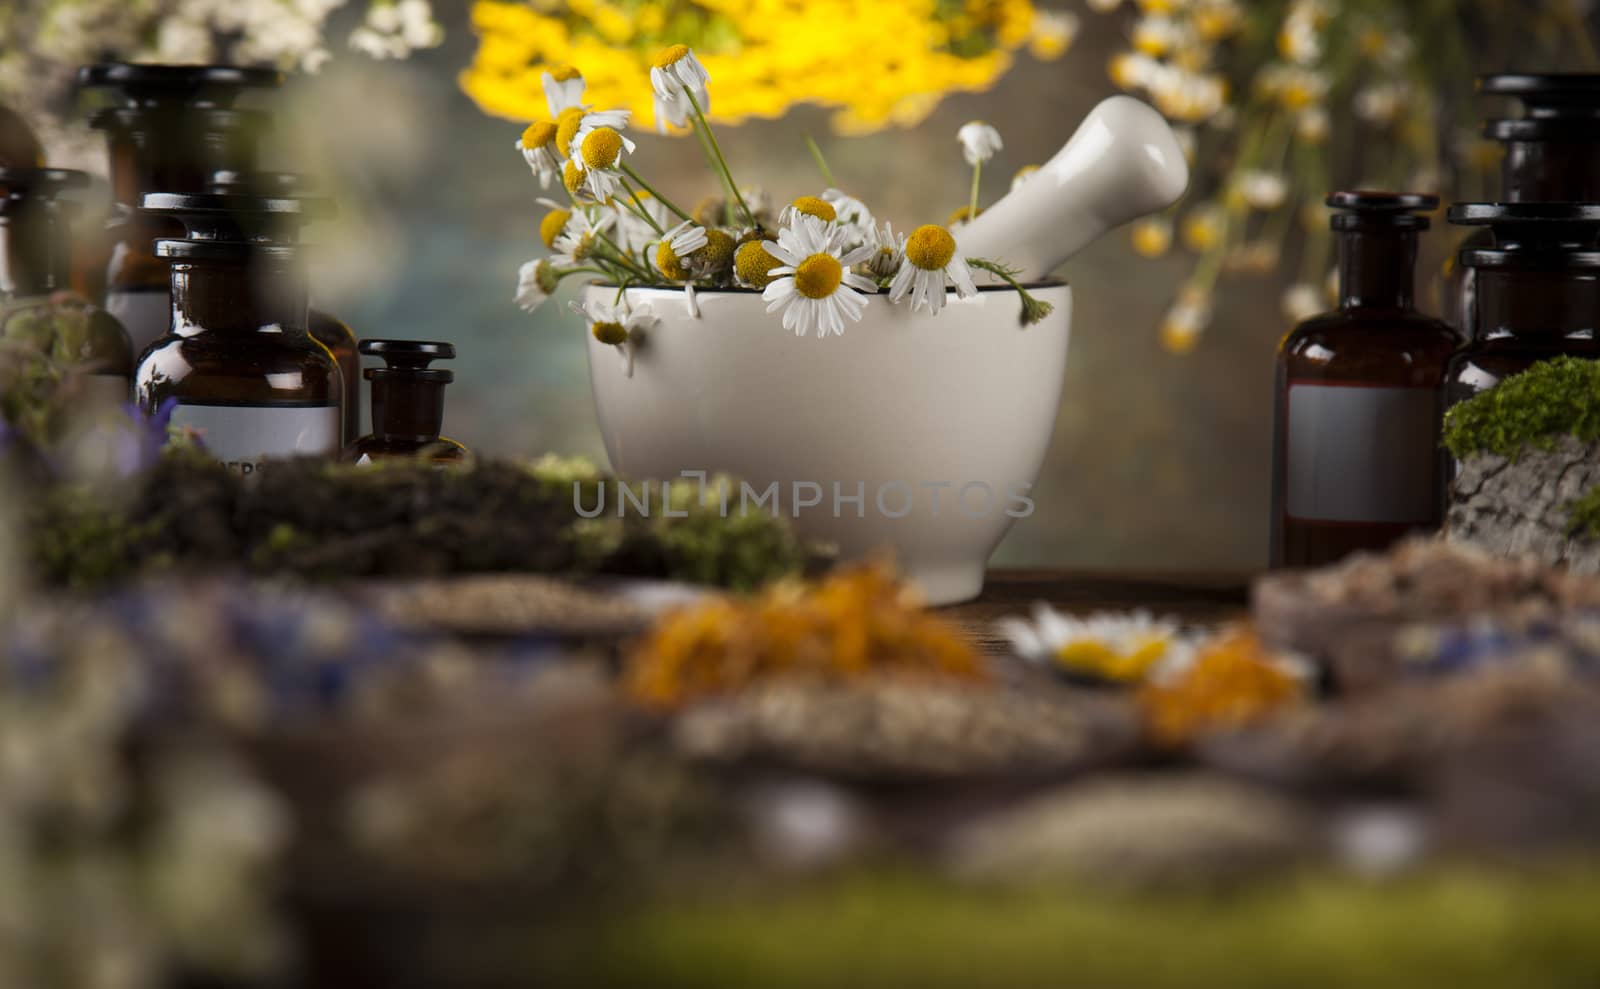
(18, 184)
(1555, 107)
(229, 225)
(409, 359)
(1543, 236)
(261, 183)
(1367, 209)
(195, 86)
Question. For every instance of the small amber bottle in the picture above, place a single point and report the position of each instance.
(1538, 290)
(170, 128)
(326, 328)
(36, 304)
(246, 374)
(407, 405)
(1356, 462)
(1552, 155)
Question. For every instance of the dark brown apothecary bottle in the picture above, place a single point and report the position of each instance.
(1538, 290)
(244, 371)
(407, 404)
(37, 306)
(1356, 463)
(326, 328)
(171, 129)
(1552, 155)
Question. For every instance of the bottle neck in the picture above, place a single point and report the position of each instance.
(35, 251)
(170, 149)
(238, 296)
(405, 408)
(1551, 172)
(1536, 306)
(1376, 268)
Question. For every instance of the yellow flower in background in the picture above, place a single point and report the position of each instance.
(878, 65)
(1152, 236)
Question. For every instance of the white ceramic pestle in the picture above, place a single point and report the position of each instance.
(1123, 162)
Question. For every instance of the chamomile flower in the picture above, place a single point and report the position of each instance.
(676, 77)
(672, 259)
(850, 211)
(576, 243)
(1105, 647)
(888, 253)
(1262, 190)
(931, 259)
(753, 266)
(563, 88)
(979, 142)
(538, 147)
(536, 282)
(816, 207)
(599, 150)
(1301, 301)
(575, 122)
(621, 326)
(814, 287)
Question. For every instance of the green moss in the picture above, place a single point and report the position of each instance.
(322, 520)
(1467, 928)
(1535, 408)
(1583, 514)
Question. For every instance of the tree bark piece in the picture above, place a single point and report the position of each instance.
(1520, 507)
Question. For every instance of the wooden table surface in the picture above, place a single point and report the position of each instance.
(1200, 599)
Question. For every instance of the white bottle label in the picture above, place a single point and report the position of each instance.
(147, 316)
(241, 436)
(1361, 454)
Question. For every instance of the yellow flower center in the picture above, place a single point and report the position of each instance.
(567, 122)
(668, 263)
(819, 208)
(538, 134)
(601, 148)
(1099, 659)
(818, 276)
(671, 55)
(930, 247)
(562, 73)
(962, 215)
(609, 333)
(753, 264)
(553, 223)
(717, 253)
(571, 177)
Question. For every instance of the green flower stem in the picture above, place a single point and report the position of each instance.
(1033, 309)
(647, 187)
(711, 160)
(638, 208)
(620, 257)
(822, 163)
(972, 210)
(722, 162)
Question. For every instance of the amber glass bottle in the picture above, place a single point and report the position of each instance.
(407, 404)
(326, 328)
(1538, 290)
(239, 360)
(1552, 155)
(170, 129)
(1356, 464)
(36, 304)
